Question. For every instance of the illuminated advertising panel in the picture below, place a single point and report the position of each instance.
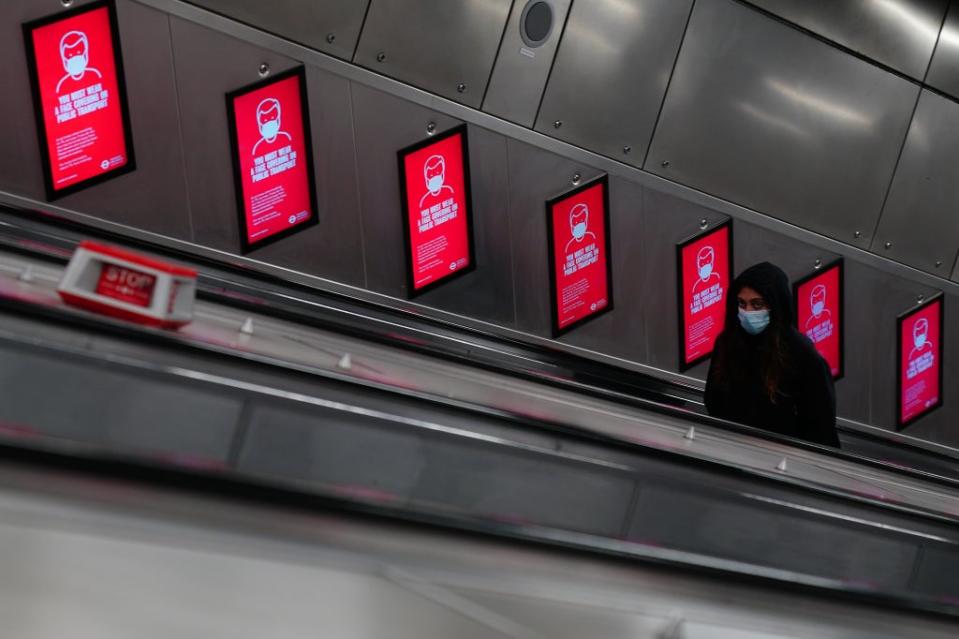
(272, 158)
(76, 74)
(704, 273)
(437, 219)
(919, 352)
(578, 232)
(819, 313)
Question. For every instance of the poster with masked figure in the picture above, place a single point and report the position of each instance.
(437, 215)
(920, 361)
(77, 79)
(272, 159)
(578, 232)
(818, 299)
(704, 272)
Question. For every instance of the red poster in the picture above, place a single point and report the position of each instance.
(435, 186)
(920, 361)
(580, 278)
(819, 313)
(705, 272)
(272, 158)
(77, 77)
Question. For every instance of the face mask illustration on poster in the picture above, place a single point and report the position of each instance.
(76, 73)
(434, 176)
(578, 248)
(272, 156)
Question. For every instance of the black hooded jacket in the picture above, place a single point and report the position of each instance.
(805, 401)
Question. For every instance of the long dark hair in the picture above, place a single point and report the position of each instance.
(731, 364)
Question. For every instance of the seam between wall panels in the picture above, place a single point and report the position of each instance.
(552, 64)
(509, 222)
(179, 129)
(356, 184)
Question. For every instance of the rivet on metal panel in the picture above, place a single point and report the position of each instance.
(461, 88)
(431, 128)
(576, 179)
(247, 328)
(66, 3)
(857, 234)
(557, 124)
(381, 56)
(330, 38)
(938, 263)
(627, 149)
(920, 299)
(264, 69)
(781, 466)
(665, 163)
(26, 275)
(888, 245)
(817, 264)
(703, 223)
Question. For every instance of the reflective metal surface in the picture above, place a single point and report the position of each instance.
(244, 570)
(332, 248)
(898, 33)
(610, 74)
(384, 125)
(521, 71)
(772, 119)
(441, 46)
(331, 26)
(944, 69)
(918, 222)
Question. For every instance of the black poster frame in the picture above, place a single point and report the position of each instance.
(551, 203)
(839, 263)
(939, 298)
(245, 245)
(680, 294)
(43, 136)
(411, 290)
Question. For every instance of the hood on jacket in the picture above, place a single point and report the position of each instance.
(769, 281)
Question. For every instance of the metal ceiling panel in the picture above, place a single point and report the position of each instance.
(770, 118)
(944, 69)
(610, 74)
(525, 57)
(445, 47)
(332, 26)
(898, 33)
(918, 225)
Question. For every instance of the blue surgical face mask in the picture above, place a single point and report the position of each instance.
(435, 183)
(754, 322)
(77, 65)
(579, 230)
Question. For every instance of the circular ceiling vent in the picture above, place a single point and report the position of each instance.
(536, 23)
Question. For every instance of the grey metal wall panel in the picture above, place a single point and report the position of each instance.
(898, 33)
(610, 74)
(386, 124)
(705, 521)
(91, 404)
(768, 117)
(154, 196)
(521, 71)
(919, 220)
(536, 176)
(944, 68)
(437, 45)
(209, 65)
(332, 26)
(669, 220)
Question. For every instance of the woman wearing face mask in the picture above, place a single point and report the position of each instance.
(764, 372)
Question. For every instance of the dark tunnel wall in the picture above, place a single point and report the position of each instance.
(837, 170)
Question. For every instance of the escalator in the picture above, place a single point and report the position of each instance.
(338, 404)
